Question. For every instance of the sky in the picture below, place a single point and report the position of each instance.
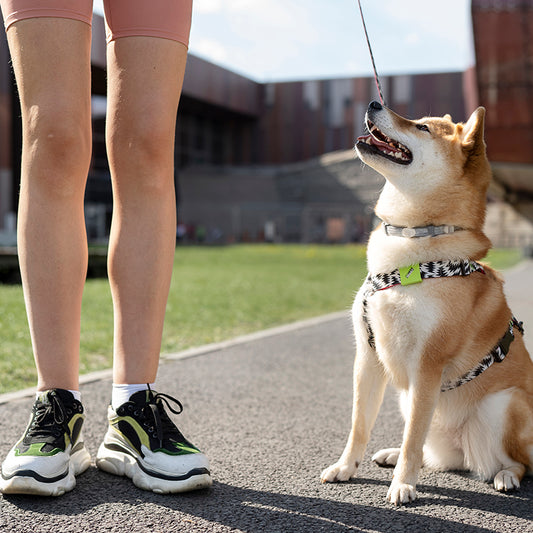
(281, 40)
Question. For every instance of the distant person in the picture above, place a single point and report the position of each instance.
(200, 234)
(181, 231)
(50, 43)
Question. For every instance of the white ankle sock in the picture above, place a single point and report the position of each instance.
(122, 393)
(75, 393)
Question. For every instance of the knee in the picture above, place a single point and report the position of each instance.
(57, 149)
(145, 147)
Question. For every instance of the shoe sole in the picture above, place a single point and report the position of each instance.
(34, 484)
(123, 464)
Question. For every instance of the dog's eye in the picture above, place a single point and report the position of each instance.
(422, 127)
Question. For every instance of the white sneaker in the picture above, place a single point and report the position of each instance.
(51, 452)
(144, 444)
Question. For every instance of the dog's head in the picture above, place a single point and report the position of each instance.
(433, 163)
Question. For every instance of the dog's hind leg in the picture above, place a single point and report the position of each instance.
(517, 442)
(386, 458)
(369, 387)
(509, 478)
(439, 456)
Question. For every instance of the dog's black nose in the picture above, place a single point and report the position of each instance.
(375, 105)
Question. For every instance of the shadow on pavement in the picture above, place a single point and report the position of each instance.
(249, 510)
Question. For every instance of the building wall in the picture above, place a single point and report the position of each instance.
(221, 87)
(304, 119)
(503, 37)
(227, 119)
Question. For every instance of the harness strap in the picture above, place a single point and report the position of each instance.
(438, 269)
(410, 275)
(496, 355)
(420, 271)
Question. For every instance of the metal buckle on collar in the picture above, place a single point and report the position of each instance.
(409, 232)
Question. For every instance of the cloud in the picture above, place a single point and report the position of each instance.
(432, 18)
(260, 37)
(292, 39)
(412, 38)
(208, 6)
(212, 50)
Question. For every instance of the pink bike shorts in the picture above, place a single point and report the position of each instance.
(169, 19)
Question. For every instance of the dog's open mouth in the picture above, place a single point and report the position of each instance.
(377, 142)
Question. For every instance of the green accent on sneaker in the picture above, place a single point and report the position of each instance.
(181, 449)
(143, 421)
(35, 449)
(139, 431)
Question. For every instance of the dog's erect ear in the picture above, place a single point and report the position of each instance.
(447, 116)
(473, 130)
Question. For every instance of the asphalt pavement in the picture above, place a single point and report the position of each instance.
(271, 411)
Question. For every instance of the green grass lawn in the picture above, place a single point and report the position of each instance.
(216, 293)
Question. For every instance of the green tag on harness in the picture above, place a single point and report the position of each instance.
(410, 275)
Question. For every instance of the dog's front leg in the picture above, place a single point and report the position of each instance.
(369, 387)
(422, 400)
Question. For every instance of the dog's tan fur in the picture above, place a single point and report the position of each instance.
(437, 330)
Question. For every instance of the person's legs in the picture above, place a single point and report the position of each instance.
(145, 75)
(51, 59)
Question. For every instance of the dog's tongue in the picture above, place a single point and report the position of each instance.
(369, 139)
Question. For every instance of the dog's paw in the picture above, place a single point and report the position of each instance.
(401, 493)
(387, 457)
(506, 480)
(339, 471)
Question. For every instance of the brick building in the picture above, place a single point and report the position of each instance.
(227, 120)
(503, 39)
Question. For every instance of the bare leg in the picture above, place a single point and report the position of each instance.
(51, 58)
(145, 77)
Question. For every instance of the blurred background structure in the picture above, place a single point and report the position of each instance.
(274, 161)
(503, 41)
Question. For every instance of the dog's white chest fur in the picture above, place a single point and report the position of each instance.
(402, 320)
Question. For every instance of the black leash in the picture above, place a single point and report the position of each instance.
(376, 77)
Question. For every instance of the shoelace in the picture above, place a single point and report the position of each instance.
(163, 425)
(50, 418)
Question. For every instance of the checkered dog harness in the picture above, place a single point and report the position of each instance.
(438, 269)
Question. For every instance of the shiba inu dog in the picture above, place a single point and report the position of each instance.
(431, 319)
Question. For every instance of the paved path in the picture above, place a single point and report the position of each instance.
(271, 413)
(519, 291)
